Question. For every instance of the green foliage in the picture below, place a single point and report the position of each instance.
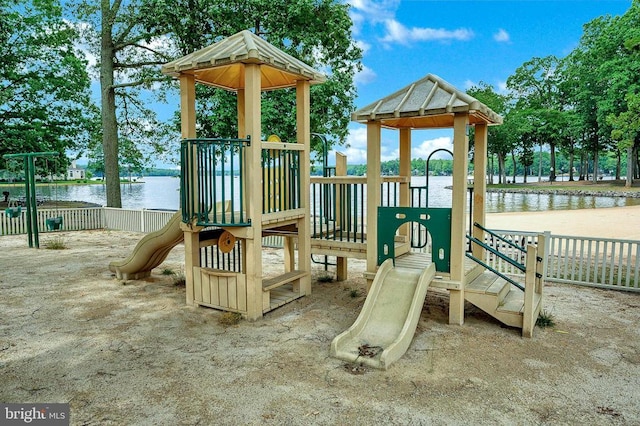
(317, 32)
(44, 86)
(545, 319)
(228, 319)
(130, 55)
(55, 243)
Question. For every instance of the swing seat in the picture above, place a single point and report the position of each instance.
(13, 212)
(54, 223)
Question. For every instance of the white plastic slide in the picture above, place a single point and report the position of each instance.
(150, 251)
(385, 327)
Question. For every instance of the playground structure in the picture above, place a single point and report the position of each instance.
(236, 191)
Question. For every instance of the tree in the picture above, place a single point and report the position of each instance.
(317, 32)
(536, 84)
(603, 70)
(500, 139)
(44, 87)
(129, 58)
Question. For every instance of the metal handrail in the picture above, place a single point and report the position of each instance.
(497, 253)
(498, 273)
(493, 234)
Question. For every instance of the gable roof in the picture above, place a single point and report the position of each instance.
(220, 64)
(427, 103)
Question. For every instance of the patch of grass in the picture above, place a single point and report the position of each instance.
(545, 319)
(229, 318)
(179, 279)
(55, 243)
(355, 292)
(168, 271)
(324, 278)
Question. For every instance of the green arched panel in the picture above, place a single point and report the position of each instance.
(436, 220)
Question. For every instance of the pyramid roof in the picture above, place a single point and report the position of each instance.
(427, 103)
(221, 64)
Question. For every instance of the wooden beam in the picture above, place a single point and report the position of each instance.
(303, 121)
(242, 132)
(253, 252)
(342, 267)
(479, 184)
(373, 193)
(405, 171)
(188, 130)
(459, 216)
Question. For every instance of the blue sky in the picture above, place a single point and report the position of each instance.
(463, 42)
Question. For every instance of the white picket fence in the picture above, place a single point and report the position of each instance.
(597, 262)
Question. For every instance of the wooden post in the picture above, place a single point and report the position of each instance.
(341, 262)
(458, 216)
(373, 194)
(479, 185)
(253, 253)
(188, 130)
(242, 132)
(303, 121)
(529, 315)
(405, 171)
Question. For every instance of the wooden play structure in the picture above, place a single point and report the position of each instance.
(459, 255)
(267, 190)
(236, 191)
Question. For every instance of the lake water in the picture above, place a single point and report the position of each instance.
(164, 193)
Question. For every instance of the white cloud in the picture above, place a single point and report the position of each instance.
(502, 36)
(355, 149)
(364, 46)
(428, 146)
(398, 33)
(372, 10)
(365, 76)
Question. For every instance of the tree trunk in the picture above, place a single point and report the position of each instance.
(595, 164)
(502, 176)
(630, 162)
(571, 166)
(552, 161)
(618, 163)
(515, 165)
(108, 114)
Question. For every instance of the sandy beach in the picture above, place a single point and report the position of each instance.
(614, 222)
(132, 352)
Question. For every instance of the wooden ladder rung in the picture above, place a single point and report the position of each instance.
(271, 283)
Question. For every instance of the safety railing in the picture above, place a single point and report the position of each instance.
(494, 250)
(280, 176)
(212, 182)
(338, 208)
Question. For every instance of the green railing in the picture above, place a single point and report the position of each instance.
(212, 182)
(494, 249)
(338, 208)
(280, 177)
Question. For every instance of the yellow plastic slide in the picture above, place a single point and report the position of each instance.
(150, 251)
(385, 327)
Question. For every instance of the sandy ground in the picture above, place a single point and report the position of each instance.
(134, 353)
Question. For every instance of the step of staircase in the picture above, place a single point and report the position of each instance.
(497, 297)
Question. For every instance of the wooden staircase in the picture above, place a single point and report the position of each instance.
(500, 299)
(514, 303)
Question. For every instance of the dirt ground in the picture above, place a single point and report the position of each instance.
(134, 353)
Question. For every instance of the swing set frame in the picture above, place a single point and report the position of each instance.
(30, 192)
